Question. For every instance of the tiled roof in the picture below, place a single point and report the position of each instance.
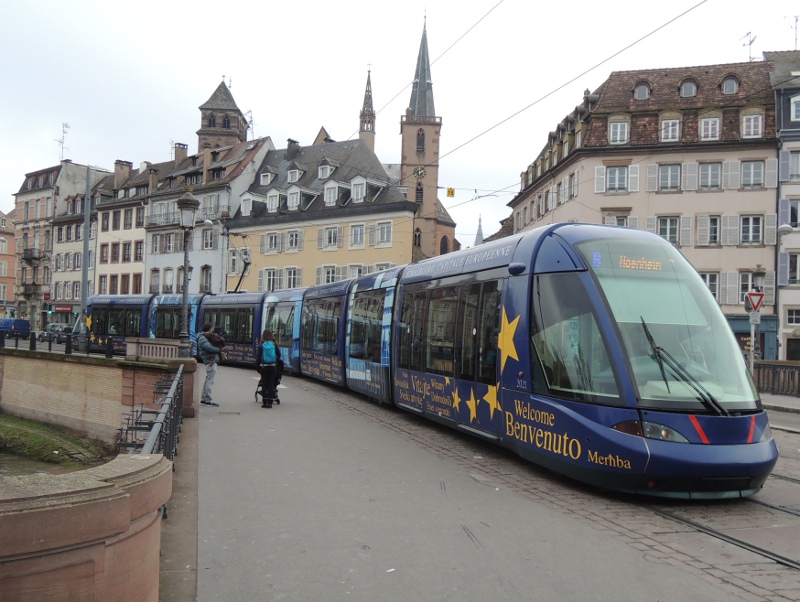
(786, 63)
(221, 100)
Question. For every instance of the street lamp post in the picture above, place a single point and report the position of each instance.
(755, 330)
(187, 210)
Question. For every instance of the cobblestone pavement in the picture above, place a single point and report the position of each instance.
(744, 574)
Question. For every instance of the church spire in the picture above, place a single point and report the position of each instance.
(479, 235)
(422, 90)
(366, 131)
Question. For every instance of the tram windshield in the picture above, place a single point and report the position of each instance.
(680, 349)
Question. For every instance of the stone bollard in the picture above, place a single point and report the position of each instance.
(33, 341)
(109, 348)
(68, 345)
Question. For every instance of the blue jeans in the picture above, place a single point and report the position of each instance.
(211, 373)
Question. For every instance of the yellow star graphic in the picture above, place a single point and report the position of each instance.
(506, 340)
(491, 399)
(472, 405)
(456, 399)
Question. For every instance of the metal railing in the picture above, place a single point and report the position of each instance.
(156, 431)
(777, 379)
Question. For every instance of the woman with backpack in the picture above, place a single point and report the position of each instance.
(268, 368)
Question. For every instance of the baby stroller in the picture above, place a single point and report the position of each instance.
(260, 386)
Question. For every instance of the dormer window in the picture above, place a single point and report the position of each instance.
(359, 192)
(331, 193)
(272, 203)
(293, 175)
(688, 89)
(618, 132)
(266, 178)
(641, 92)
(247, 205)
(325, 171)
(294, 200)
(730, 85)
(752, 126)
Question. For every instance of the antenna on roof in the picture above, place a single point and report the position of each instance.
(251, 125)
(64, 128)
(795, 17)
(171, 149)
(750, 39)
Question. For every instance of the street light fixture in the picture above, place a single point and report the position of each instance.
(187, 209)
(758, 275)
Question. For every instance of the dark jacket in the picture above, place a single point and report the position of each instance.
(208, 353)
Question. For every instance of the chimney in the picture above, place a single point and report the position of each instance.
(153, 183)
(292, 149)
(181, 150)
(122, 171)
(206, 161)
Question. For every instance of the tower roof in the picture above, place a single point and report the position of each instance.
(221, 99)
(367, 109)
(421, 104)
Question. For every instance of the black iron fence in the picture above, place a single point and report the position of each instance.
(156, 431)
(777, 378)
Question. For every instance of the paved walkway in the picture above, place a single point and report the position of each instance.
(272, 501)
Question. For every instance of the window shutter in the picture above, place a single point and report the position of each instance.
(771, 176)
(633, 221)
(650, 224)
(730, 175)
(689, 175)
(730, 230)
(280, 242)
(610, 220)
(300, 236)
(784, 217)
(319, 276)
(264, 245)
(686, 231)
(260, 280)
(339, 236)
(575, 180)
(769, 288)
(320, 238)
(652, 178)
(783, 269)
(565, 189)
(770, 228)
(599, 179)
(723, 288)
(371, 231)
(703, 230)
(340, 273)
(279, 279)
(783, 171)
(633, 178)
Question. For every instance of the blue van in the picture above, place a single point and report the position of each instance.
(16, 327)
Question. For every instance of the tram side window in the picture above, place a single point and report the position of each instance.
(168, 323)
(441, 331)
(226, 323)
(468, 320)
(116, 325)
(489, 328)
(412, 330)
(99, 321)
(568, 344)
(321, 326)
(366, 325)
(280, 320)
(244, 325)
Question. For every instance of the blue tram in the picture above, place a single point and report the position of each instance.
(322, 332)
(238, 318)
(282, 313)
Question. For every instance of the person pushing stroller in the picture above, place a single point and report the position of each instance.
(268, 368)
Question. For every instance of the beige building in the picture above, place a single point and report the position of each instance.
(688, 153)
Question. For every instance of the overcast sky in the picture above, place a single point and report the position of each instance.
(128, 77)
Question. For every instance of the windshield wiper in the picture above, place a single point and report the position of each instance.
(661, 355)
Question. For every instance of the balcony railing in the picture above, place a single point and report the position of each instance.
(153, 289)
(164, 219)
(31, 289)
(31, 254)
(214, 212)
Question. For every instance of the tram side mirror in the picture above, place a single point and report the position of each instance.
(515, 269)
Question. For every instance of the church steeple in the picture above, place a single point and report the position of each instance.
(367, 129)
(221, 121)
(479, 235)
(421, 104)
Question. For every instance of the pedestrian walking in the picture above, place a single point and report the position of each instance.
(268, 356)
(209, 354)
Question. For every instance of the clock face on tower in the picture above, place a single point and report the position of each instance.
(420, 172)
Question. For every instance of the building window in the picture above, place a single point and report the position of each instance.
(668, 228)
(330, 274)
(730, 86)
(331, 238)
(357, 235)
(140, 217)
(324, 171)
(750, 229)
(272, 203)
(670, 130)
(384, 233)
(128, 224)
(669, 177)
(794, 166)
(417, 237)
(293, 175)
(208, 239)
(139, 250)
(688, 89)
(794, 317)
(794, 268)
(618, 132)
(126, 251)
(125, 285)
(418, 192)
(746, 285)
(294, 240)
(294, 200)
(356, 271)
(752, 174)
(622, 221)
(266, 178)
(358, 192)
(710, 176)
(117, 221)
(795, 109)
(330, 196)
(420, 140)
(105, 221)
(751, 126)
(137, 284)
(617, 178)
(712, 282)
(104, 253)
(713, 229)
(641, 92)
(102, 285)
(709, 128)
(272, 245)
(293, 278)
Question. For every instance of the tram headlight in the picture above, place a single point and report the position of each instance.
(650, 430)
(766, 434)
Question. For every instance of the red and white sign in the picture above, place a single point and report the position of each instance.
(756, 299)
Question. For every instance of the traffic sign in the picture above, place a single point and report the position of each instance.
(756, 299)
